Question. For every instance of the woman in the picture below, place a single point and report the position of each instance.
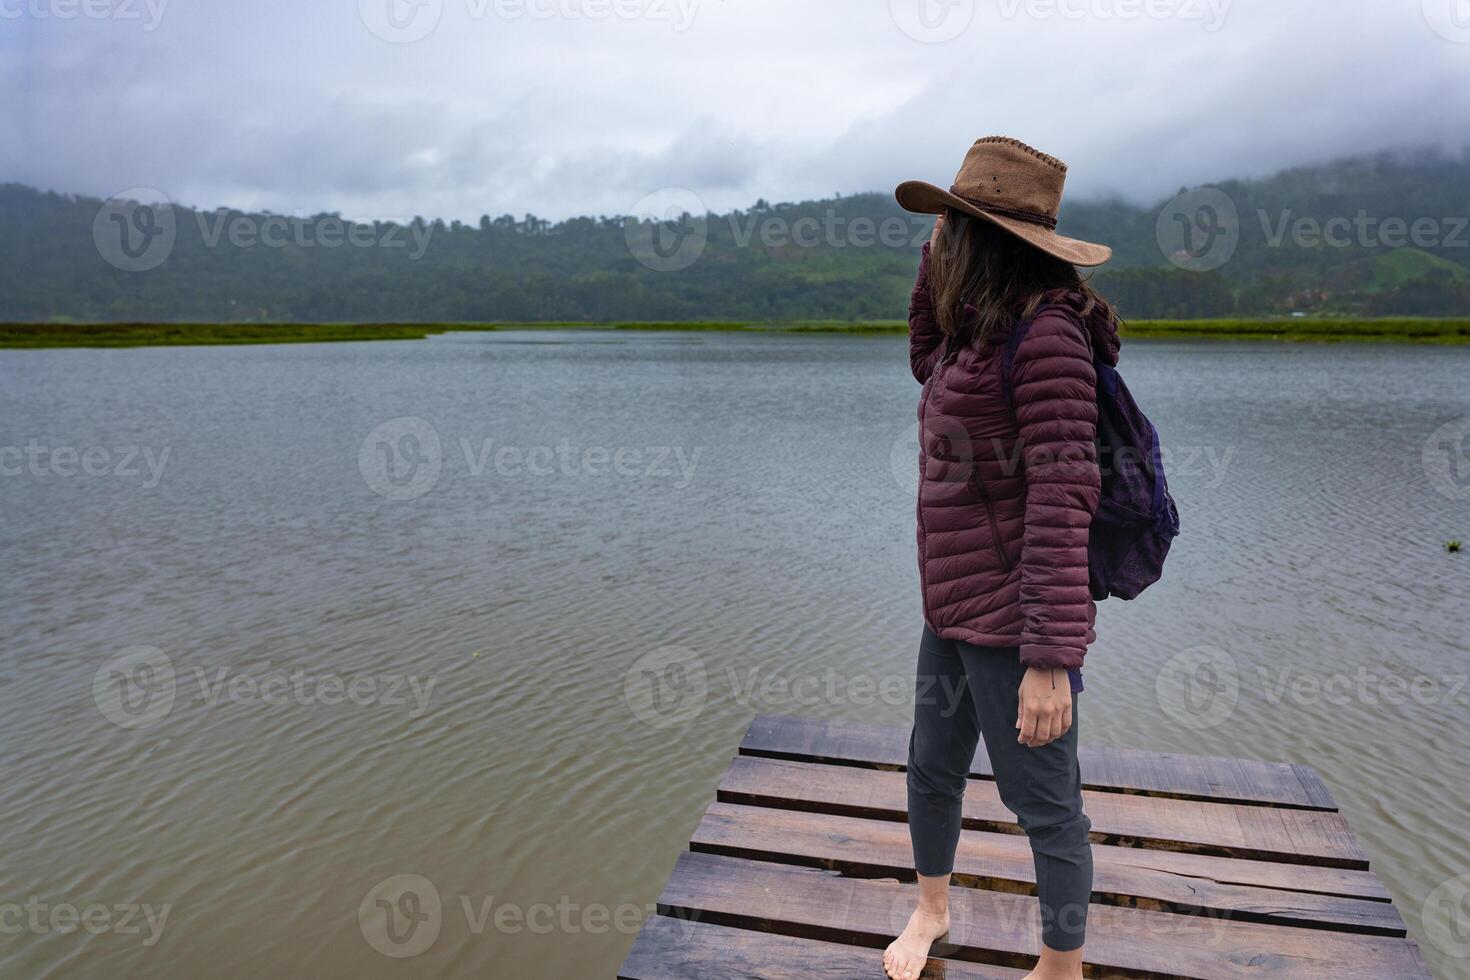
(1008, 486)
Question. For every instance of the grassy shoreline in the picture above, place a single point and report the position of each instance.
(1409, 330)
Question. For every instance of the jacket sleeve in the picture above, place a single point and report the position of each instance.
(1055, 392)
(925, 338)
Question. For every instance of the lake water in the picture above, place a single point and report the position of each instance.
(282, 623)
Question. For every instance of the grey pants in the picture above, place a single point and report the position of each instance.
(963, 692)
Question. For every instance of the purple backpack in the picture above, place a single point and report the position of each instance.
(1136, 519)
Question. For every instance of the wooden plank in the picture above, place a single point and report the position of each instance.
(1001, 928)
(1311, 837)
(1122, 875)
(1119, 770)
(670, 948)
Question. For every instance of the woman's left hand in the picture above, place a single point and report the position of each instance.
(1044, 706)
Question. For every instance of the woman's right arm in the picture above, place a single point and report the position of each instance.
(925, 337)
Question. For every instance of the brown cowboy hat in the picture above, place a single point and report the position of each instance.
(1011, 185)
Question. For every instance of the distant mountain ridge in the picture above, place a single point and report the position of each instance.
(1387, 234)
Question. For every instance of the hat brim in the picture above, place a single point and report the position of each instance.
(922, 197)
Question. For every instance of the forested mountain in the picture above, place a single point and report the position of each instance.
(1385, 234)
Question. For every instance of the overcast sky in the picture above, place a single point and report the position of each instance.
(563, 107)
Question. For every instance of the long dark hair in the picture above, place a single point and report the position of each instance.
(983, 278)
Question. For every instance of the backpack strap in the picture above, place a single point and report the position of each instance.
(1008, 360)
(1013, 344)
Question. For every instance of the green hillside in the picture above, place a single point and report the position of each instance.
(847, 259)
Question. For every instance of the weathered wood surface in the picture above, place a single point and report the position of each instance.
(1227, 829)
(876, 849)
(803, 868)
(1002, 927)
(670, 948)
(1122, 770)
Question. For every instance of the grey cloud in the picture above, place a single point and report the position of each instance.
(299, 108)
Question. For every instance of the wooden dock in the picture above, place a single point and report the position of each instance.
(1204, 867)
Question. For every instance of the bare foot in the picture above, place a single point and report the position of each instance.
(1054, 965)
(1065, 974)
(905, 957)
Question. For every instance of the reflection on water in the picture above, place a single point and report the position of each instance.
(290, 631)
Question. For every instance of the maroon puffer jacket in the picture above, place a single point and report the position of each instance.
(1004, 514)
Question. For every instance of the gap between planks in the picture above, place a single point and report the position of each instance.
(1162, 881)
